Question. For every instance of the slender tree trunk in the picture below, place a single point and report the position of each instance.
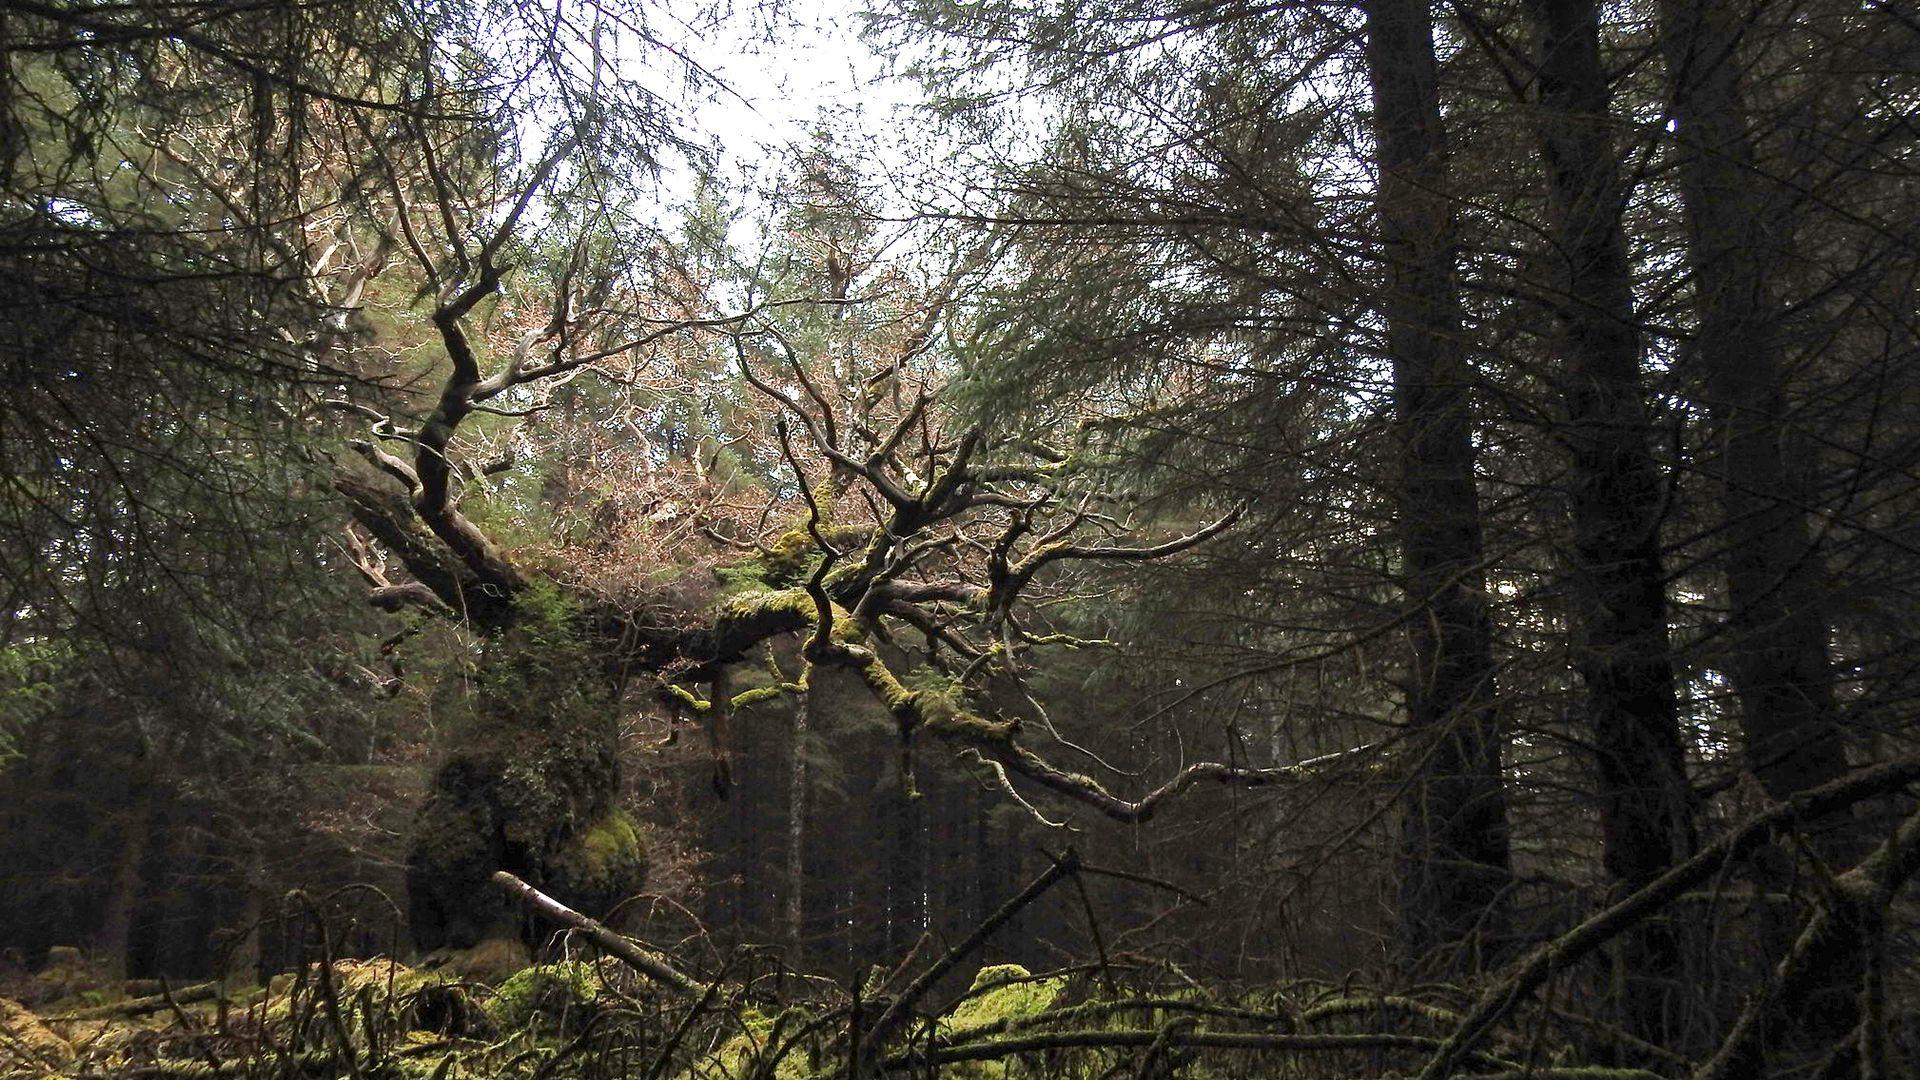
(244, 953)
(111, 941)
(796, 910)
(1454, 863)
(898, 811)
(1620, 604)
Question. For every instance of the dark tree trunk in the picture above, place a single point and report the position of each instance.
(1779, 630)
(1454, 863)
(906, 887)
(1777, 624)
(1620, 605)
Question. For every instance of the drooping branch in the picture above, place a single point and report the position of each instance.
(943, 715)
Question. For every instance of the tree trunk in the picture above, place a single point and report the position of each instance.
(1620, 604)
(115, 936)
(796, 910)
(1454, 863)
(1779, 631)
(906, 885)
(1776, 622)
(243, 949)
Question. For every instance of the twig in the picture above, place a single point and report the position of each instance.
(665, 1057)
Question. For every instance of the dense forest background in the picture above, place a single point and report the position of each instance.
(1236, 507)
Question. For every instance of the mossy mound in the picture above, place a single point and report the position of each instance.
(1002, 993)
(602, 865)
(373, 993)
(559, 997)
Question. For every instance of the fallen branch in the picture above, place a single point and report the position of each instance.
(618, 946)
(896, 1013)
(1562, 952)
(1851, 918)
(1094, 1010)
(1095, 1039)
(186, 995)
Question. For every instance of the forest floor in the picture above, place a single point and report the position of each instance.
(597, 1017)
(602, 1005)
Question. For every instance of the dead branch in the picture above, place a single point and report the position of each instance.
(897, 1012)
(620, 947)
(186, 995)
(1559, 954)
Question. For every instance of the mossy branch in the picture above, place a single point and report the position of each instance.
(1096, 1039)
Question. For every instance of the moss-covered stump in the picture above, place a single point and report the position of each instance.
(530, 786)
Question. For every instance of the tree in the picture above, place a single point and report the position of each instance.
(1625, 654)
(1455, 858)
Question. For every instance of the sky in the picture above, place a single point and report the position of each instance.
(816, 63)
(811, 69)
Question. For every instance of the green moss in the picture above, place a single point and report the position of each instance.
(530, 786)
(767, 602)
(760, 695)
(547, 998)
(380, 988)
(31, 1042)
(789, 560)
(791, 555)
(1001, 994)
(1004, 992)
(936, 706)
(604, 863)
(761, 1036)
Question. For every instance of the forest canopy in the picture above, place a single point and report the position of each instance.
(1293, 539)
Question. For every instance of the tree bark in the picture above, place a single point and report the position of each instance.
(1620, 604)
(1454, 861)
(795, 922)
(1776, 623)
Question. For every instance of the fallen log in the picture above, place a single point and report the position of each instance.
(618, 946)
